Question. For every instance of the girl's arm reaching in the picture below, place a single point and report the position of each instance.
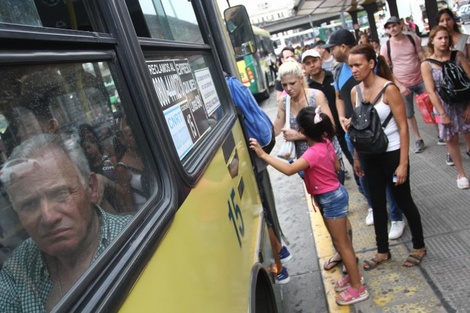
(278, 164)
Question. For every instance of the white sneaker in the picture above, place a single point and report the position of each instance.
(462, 183)
(396, 230)
(370, 217)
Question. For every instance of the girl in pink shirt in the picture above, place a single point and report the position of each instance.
(320, 164)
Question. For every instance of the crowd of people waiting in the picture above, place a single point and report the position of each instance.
(323, 85)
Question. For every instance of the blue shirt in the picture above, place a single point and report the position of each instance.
(344, 82)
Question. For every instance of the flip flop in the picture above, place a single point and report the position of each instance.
(331, 263)
(368, 265)
(413, 258)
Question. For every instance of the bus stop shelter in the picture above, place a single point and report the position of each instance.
(317, 9)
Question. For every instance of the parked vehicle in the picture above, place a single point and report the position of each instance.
(464, 13)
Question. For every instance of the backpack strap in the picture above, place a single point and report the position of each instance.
(359, 94)
(453, 56)
(435, 61)
(390, 115)
(389, 54)
(381, 92)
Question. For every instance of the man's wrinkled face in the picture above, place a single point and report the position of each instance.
(51, 201)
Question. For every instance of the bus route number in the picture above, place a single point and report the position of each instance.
(235, 216)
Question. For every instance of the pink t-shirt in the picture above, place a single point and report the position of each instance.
(405, 60)
(320, 177)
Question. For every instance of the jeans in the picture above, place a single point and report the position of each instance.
(395, 213)
(379, 170)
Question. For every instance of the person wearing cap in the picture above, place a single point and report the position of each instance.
(340, 43)
(328, 62)
(321, 79)
(404, 57)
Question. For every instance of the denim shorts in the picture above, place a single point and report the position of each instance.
(334, 204)
(409, 100)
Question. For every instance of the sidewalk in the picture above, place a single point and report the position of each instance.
(440, 284)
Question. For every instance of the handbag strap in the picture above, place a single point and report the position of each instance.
(287, 125)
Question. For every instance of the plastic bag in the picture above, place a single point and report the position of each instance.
(425, 108)
(287, 150)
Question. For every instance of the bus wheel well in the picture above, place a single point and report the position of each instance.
(264, 299)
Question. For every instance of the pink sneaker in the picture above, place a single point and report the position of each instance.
(344, 283)
(351, 296)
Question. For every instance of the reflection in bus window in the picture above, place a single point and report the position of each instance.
(76, 108)
(165, 19)
(130, 172)
(74, 15)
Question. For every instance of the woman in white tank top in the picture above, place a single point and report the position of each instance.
(390, 168)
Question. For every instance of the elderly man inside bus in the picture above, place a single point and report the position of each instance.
(52, 190)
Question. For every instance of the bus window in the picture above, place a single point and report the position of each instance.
(51, 13)
(79, 103)
(188, 96)
(164, 19)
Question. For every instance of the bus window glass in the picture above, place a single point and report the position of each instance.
(188, 96)
(74, 15)
(239, 28)
(77, 105)
(165, 19)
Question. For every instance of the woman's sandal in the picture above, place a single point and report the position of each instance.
(415, 257)
(331, 263)
(374, 262)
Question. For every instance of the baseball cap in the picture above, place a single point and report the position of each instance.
(310, 53)
(340, 37)
(392, 20)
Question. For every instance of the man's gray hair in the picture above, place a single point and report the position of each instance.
(21, 156)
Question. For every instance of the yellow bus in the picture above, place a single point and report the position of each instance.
(137, 87)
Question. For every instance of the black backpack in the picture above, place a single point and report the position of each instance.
(455, 86)
(365, 131)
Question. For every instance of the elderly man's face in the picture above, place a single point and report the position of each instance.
(52, 204)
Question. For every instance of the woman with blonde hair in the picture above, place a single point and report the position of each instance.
(293, 82)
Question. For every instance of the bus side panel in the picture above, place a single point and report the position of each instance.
(241, 65)
(204, 264)
(254, 74)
